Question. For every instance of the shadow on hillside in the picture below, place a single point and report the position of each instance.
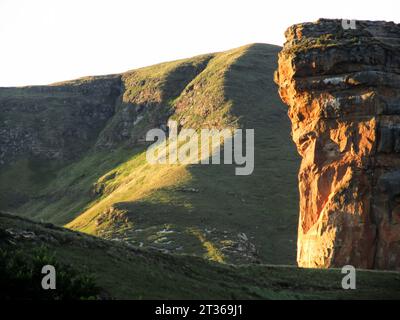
(264, 205)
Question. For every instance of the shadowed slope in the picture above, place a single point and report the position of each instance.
(233, 218)
(125, 272)
(200, 209)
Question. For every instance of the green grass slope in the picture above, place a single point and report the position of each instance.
(125, 272)
(204, 210)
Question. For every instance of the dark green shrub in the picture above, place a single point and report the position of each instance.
(21, 277)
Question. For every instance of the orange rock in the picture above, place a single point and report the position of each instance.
(343, 92)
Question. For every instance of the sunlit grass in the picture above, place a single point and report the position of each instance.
(115, 192)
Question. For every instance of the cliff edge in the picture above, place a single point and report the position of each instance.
(342, 87)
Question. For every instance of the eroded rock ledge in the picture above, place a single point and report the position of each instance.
(343, 92)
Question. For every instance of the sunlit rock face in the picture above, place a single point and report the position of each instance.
(342, 87)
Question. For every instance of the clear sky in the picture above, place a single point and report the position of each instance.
(44, 41)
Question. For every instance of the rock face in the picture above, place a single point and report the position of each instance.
(64, 120)
(55, 122)
(342, 87)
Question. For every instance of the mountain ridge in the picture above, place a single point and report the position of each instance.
(109, 190)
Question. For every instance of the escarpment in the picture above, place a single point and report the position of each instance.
(64, 120)
(56, 122)
(342, 87)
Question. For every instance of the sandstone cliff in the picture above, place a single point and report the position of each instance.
(343, 92)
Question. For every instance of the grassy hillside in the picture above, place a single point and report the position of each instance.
(125, 272)
(109, 190)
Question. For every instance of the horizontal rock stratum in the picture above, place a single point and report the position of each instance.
(342, 87)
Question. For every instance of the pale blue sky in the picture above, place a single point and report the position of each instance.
(44, 41)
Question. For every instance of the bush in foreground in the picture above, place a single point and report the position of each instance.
(21, 277)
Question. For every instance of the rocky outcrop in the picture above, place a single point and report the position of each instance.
(342, 87)
(145, 102)
(64, 120)
(56, 122)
